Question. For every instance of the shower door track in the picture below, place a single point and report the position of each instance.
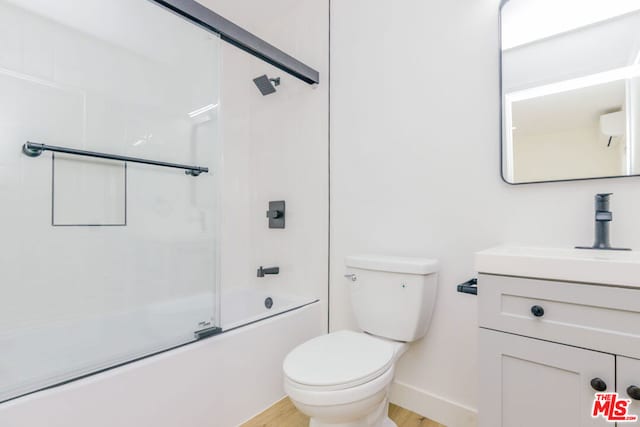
(241, 38)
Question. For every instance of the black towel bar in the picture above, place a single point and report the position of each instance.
(33, 149)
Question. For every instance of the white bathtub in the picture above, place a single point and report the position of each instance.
(244, 306)
(216, 382)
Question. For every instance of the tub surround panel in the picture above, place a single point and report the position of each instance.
(214, 382)
(69, 263)
(275, 148)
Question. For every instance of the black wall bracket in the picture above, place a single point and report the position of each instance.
(276, 214)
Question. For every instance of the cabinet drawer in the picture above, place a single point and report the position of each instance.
(604, 318)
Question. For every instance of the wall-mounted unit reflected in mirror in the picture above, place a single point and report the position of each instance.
(570, 89)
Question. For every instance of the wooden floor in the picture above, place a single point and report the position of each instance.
(284, 414)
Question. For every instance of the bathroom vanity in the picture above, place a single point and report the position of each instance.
(556, 327)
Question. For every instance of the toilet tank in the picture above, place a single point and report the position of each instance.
(392, 297)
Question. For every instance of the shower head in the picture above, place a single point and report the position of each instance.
(265, 85)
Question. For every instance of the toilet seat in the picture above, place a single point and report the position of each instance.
(323, 396)
(338, 361)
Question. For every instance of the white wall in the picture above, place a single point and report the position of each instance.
(415, 171)
(567, 154)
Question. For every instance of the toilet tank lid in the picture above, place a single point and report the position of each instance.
(393, 264)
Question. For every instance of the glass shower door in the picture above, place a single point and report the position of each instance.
(104, 261)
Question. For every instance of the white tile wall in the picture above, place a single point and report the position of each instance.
(64, 86)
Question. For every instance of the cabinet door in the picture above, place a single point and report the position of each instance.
(628, 378)
(525, 382)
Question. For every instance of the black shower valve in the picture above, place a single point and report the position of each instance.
(276, 214)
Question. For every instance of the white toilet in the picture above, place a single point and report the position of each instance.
(342, 379)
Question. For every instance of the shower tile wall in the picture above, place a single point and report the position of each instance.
(88, 76)
(275, 148)
(298, 27)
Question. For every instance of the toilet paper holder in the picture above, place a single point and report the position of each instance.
(469, 287)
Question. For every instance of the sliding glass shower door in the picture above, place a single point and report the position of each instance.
(104, 261)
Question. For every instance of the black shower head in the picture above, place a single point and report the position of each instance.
(266, 86)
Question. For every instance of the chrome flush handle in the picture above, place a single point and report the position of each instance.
(352, 277)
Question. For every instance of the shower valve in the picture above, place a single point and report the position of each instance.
(276, 214)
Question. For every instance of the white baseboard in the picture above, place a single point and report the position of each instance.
(436, 408)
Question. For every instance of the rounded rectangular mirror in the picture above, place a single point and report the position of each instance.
(570, 81)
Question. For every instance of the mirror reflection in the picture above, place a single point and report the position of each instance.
(570, 89)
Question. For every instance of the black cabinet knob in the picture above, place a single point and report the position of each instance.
(633, 392)
(537, 311)
(598, 384)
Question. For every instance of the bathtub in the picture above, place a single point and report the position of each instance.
(245, 306)
(220, 381)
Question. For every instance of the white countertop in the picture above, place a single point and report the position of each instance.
(621, 268)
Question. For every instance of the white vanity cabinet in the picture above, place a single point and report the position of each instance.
(628, 375)
(547, 343)
(533, 383)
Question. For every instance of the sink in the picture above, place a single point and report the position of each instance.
(619, 268)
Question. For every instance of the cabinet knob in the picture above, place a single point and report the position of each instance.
(537, 311)
(633, 392)
(598, 384)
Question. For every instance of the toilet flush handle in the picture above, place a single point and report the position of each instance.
(351, 277)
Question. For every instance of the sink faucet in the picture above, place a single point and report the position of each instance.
(269, 270)
(603, 219)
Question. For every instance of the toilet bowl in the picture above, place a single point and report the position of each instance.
(343, 379)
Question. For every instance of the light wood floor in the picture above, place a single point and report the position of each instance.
(284, 414)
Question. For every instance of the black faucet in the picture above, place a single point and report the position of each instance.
(603, 219)
(270, 270)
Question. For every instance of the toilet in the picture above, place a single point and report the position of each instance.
(342, 379)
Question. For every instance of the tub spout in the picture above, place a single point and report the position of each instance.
(269, 270)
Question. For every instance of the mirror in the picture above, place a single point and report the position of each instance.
(570, 89)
